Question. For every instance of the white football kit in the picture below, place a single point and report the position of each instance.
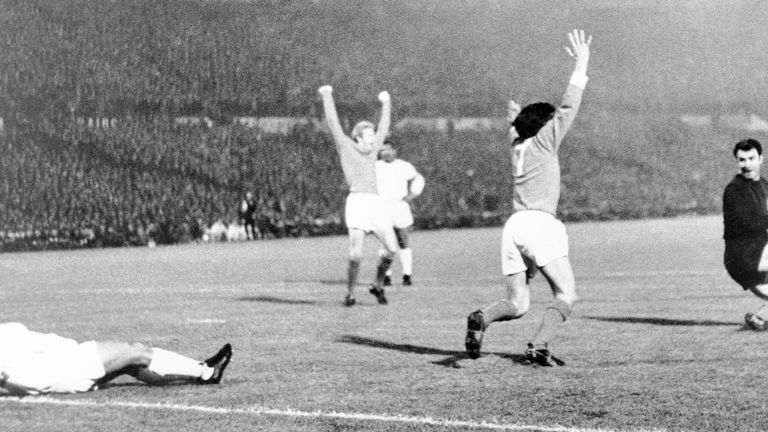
(393, 180)
(37, 363)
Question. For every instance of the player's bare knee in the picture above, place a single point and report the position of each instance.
(355, 252)
(569, 298)
(142, 354)
(387, 254)
(521, 306)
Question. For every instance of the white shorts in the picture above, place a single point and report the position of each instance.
(366, 211)
(401, 213)
(535, 235)
(68, 367)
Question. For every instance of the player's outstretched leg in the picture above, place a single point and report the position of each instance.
(158, 366)
(559, 274)
(515, 306)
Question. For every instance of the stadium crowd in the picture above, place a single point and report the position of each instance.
(142, 178)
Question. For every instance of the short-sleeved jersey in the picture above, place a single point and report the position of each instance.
(535, 163)
(359, 169)
(392, 178)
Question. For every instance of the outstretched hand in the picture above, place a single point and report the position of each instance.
(579, 48)
(326, 89)
(384, 96)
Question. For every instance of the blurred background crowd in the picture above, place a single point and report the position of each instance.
(92, 94)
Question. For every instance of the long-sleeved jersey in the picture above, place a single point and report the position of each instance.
(535, 163)
(745, 223)
(359, 168)
(745, 210)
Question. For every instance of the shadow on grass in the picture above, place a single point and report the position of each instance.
(270, 299)
(342, 282)
(662, 321)
(452, 359)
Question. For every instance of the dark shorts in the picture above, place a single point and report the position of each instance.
(741, 261)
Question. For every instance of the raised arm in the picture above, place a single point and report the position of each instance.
(386, 118)
(329, 107)
(554, 132)
(579, 50)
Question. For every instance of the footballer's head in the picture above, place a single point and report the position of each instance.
(388, 151)
(749, 155)
(532, 118)
(364, 132)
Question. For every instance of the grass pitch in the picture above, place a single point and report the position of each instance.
(655, 342)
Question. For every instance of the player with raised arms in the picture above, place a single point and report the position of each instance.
(364, 211)
(533, 237)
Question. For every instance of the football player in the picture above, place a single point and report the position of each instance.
(745, 222)
(399, 184)
(533, 236)
(34, 363)
(364, 211)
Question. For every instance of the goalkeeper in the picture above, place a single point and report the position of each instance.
(745, 222)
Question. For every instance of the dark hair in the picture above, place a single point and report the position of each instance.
(532, 118)
(747, 145)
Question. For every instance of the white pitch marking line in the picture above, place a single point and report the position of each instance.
(206, 320)
(260, 410)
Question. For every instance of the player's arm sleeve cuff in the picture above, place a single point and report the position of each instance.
(579, 80)
(417, 185)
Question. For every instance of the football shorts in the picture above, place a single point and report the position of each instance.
(69, 367)
(743, 259)
(534, 235)
(366, 211)
(402, 217)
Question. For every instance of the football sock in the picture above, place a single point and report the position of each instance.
(406, 260)
(352, 271)
(381, 270)
(169, 363)
(502, 310)
(554, 316)
(383, 253)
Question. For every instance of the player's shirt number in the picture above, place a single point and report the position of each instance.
(518, 158)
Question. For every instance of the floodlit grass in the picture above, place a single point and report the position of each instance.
(654, 344)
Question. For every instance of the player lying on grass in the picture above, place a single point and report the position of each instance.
(533, 236)
(745, 223)
(33, 363)
(364, 211)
